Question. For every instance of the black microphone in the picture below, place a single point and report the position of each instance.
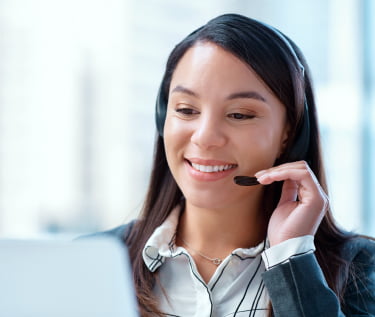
(246, 180)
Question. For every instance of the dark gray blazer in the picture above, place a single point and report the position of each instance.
(298, 288)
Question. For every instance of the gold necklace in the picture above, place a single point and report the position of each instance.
(215, 261)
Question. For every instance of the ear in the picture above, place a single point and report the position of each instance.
(284, 139)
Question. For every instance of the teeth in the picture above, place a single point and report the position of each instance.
(211, 168)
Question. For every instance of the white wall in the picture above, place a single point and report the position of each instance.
(78, 81)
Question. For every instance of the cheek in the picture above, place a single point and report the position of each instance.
(271, 138)
(263, 148)
(168, 141)
(269, 144)
(174, 140)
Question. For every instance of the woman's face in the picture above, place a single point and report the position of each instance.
(222, 121)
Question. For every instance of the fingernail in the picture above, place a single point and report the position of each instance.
(261, 178)
(260, 173)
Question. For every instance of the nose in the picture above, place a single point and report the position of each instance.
(209, 132)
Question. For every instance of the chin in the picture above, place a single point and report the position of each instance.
(214, 198)
(211, 201)
(205, 205)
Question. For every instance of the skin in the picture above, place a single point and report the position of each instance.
(220, 113)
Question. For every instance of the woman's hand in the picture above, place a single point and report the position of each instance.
(294, 218)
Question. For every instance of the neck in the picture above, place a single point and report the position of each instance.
(221, 230)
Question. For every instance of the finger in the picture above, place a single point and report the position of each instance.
(289, 192)
(309, 191)
(302, 176)
(298, 172)
(286, 166)
(305, 180)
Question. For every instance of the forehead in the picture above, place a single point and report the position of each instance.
(207, 56)
(208, 68)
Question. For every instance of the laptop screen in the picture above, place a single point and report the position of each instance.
(88, 277)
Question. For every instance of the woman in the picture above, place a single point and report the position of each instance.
(236, 100)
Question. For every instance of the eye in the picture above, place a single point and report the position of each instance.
(241, 116)
(186, 111)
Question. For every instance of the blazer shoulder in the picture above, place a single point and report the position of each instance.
(360, 249)
(359, 293)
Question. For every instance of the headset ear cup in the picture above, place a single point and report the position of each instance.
(161, 110)
(301, 145)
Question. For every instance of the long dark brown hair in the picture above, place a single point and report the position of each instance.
(272, 58)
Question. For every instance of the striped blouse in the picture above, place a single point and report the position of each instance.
(235, 289)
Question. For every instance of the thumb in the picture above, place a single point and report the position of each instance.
(289, 192)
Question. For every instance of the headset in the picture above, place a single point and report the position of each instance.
(161, 109)
(299, 150)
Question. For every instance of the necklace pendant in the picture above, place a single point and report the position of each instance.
(216, 261)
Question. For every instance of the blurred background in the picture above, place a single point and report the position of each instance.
(78, 81)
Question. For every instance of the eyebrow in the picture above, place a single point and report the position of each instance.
(236, 95)
(184, 90)
(247, 94)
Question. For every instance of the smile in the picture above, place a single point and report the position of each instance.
(212, 168)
